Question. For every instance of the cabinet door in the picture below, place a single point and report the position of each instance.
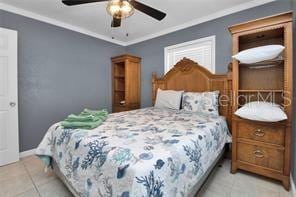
(132, 82)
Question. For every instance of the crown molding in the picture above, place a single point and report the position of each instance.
(197, 21)
(55, 22)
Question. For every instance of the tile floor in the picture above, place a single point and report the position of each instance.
(27, 179)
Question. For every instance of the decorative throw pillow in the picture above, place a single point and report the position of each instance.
(168, 99)
(205, 102)
(261, 111)
(259, 54)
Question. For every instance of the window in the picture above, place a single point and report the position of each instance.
(201, 51)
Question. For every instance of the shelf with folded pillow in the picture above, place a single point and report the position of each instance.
(262, 78)
(264, 64)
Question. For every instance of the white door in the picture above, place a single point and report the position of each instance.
(9, 140)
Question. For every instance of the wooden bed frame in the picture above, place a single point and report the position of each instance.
(189, 76)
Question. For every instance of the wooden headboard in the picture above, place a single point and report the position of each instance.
(187, 75)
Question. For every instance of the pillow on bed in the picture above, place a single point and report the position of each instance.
(261, 111)
(259, 54)
(205, 102)
(168, 99)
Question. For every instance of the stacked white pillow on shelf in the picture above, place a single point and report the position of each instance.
(262, 111)
(259, 54)
(258, 110)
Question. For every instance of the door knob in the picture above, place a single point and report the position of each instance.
(12, 104)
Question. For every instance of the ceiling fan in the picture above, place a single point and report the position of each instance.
(120, 9)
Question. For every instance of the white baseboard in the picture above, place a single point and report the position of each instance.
(293, 188)
(27, 153)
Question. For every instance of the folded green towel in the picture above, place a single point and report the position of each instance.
(81, 125)
(82, 118)
(88, 119)
(94, 112)
(87, 116)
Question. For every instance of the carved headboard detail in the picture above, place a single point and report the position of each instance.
(187, 75)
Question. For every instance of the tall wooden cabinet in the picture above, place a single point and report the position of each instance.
(261, 147)
(126, 81)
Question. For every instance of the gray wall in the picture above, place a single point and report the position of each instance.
(152, 51)
(60, 72)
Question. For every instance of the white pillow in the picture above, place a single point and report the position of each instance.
(205, 102)
(262, 111)
(259, 54)
(168, 99)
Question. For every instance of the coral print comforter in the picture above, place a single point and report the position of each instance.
(148, 152)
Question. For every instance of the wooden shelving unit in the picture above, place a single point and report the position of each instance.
(262, 147)
(126, 72)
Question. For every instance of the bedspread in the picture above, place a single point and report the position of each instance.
(149, 152)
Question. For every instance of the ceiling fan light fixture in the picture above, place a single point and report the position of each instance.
(120, 9)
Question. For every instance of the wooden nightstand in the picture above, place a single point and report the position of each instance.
(259, 147)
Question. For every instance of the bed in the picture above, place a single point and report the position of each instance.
(145, 152)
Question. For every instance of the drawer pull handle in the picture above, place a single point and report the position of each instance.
(258, 154)
(259, 133)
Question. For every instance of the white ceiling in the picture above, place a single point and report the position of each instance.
(92, 19)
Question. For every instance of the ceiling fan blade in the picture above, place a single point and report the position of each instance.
(116, 22)
(154, 13)
(78, 2)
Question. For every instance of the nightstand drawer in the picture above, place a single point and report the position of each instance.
(261, 156)
(262, 133)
